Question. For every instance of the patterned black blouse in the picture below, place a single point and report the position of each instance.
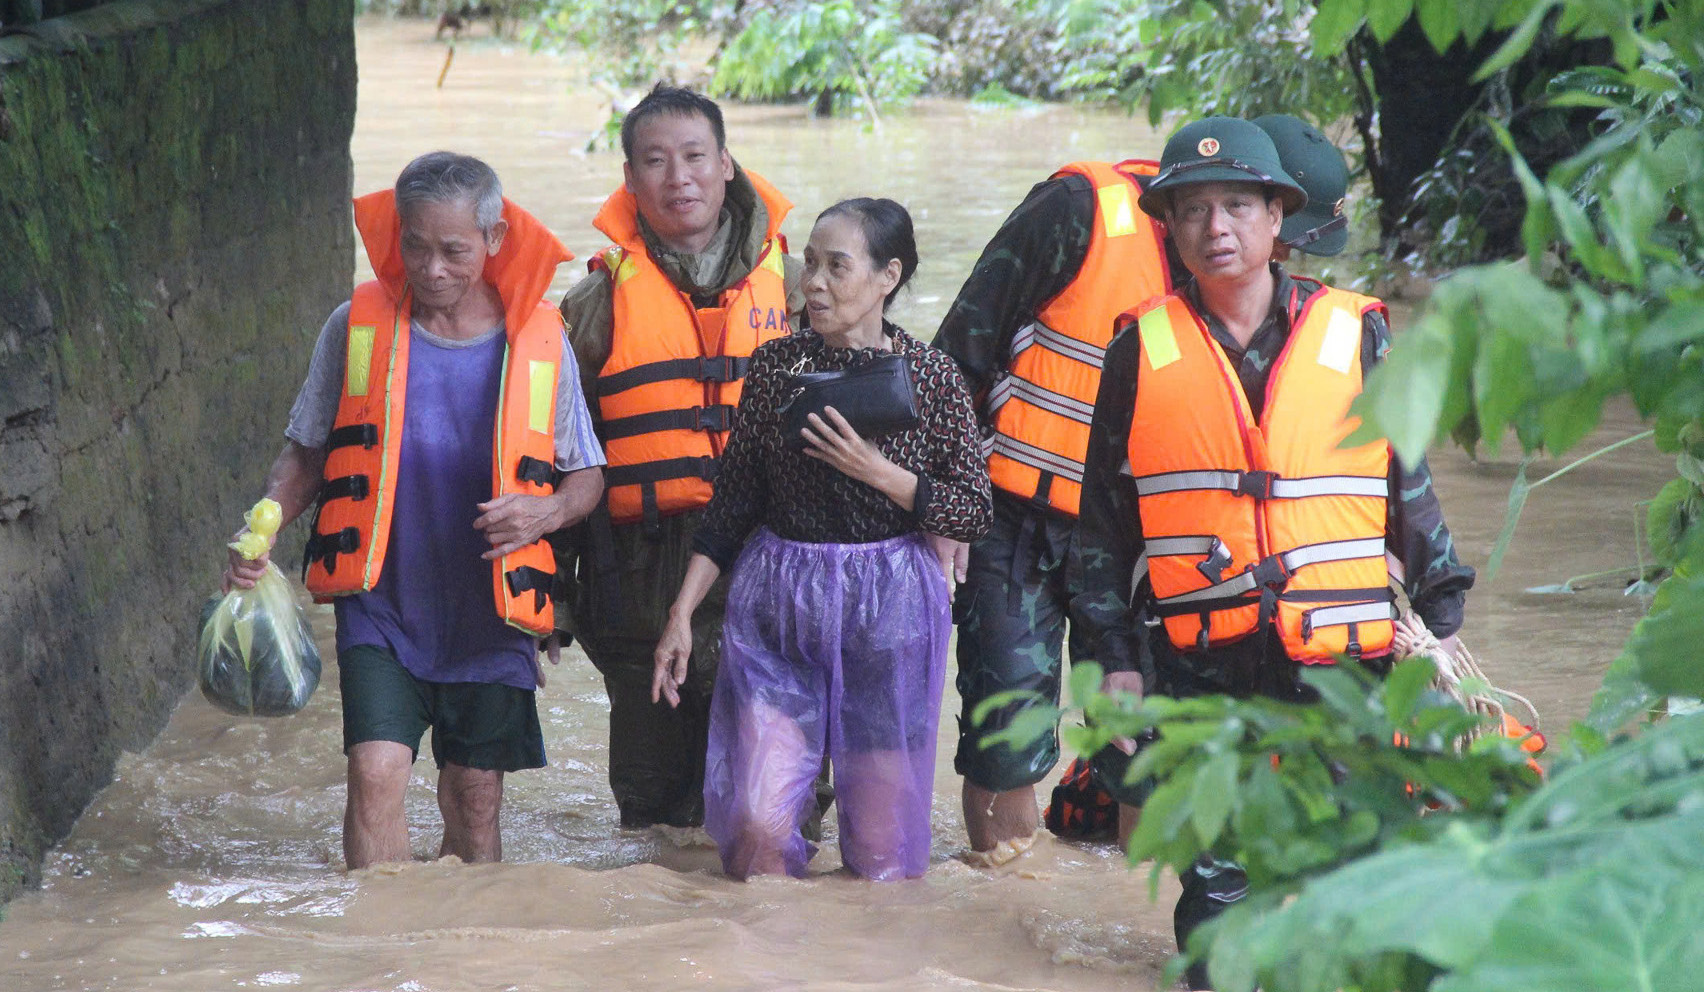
(763, 482)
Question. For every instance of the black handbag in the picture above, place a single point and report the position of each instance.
(876, 398)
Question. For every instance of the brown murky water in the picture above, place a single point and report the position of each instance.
(213, 861)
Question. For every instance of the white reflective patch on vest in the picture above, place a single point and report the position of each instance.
(1116, 211)
(1342, 339)
(541, 395)
(358, 368)
(1159, 344)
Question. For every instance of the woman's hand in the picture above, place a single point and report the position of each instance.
(673, 650)
(954, 557)
(833, 440)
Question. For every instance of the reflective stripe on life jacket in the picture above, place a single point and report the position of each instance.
(1248, 523)
(1041, 409)
(352, 525)
(667, 393)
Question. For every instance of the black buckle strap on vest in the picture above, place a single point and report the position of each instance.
(698, 418)
(354, 487)
(353, 436)
(1043, 497)
(1270, 573)
(538, 472)
(1212, 567)
(526, 577)
(326, 547)
(708, 368)
(646, 475)
(690, 467)
(1257, 484)
(1372, 594)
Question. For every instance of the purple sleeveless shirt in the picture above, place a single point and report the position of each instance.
(433, 606)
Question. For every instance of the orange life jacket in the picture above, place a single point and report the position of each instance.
(1042, 408)
(667, 394)
(351, 530)
(1252, 523)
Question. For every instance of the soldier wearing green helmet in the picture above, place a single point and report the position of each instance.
(1214, 472)
(1319, 228)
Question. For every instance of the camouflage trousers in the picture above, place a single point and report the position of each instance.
(1011, 616)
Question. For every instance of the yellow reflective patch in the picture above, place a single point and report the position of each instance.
(1159, 344)
(541, 395)
(1342, 339)
(359, 366)
(621, 265)
(1116, 210)
(772, 261)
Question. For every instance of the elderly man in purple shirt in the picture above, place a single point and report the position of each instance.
(424, 647)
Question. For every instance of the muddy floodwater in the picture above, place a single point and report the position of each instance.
(214, 859)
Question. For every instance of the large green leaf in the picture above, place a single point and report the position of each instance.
(1517, 43)
(1405, 395)
(1665, 644)
(1334, 24)
(1385, 17)
(1438, 19)
(1212, 796)
(1629, 927)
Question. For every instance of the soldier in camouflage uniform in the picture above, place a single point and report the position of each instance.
(1110, 540)
(1011, 605)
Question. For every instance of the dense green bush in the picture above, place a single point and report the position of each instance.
(843, 54)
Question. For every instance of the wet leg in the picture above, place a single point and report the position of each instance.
(771, 767)
(471, 800)
(374, 829)
(992, 818)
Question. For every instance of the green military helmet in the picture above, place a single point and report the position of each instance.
(1320, 228)
(1220, 150)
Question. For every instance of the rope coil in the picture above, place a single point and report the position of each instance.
(1412, 639)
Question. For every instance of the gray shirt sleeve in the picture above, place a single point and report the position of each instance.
(315, 408)
(577, 444)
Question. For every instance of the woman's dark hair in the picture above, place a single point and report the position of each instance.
(887, 235)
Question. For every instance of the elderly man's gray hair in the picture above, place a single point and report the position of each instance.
(445, 177)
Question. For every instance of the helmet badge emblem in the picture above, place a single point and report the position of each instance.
(1208, 147)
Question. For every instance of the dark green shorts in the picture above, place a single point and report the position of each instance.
(474, 724)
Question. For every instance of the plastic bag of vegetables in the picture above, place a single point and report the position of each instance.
(256, 656)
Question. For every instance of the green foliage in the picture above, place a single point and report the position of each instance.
(1382, 857)
(1610, 298)
(845, 54)
(630, 44)
(1203, 57)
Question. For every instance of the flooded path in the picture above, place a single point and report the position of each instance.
(213, 862)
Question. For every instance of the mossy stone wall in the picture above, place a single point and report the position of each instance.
(174, 227)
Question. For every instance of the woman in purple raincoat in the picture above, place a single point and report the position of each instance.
(838, 616)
